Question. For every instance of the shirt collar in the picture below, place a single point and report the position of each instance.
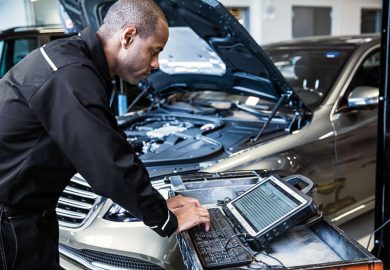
(97, 54)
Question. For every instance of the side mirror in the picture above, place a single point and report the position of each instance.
(363, 96)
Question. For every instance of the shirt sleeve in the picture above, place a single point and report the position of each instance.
(72, 105)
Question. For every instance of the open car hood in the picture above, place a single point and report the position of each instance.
(246, 68)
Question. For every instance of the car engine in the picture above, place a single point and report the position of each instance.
(155, 136)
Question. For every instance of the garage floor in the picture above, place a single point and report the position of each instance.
(360, 229)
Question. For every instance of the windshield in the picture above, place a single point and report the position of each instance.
(311, 72)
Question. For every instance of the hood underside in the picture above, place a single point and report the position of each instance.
(248, 68)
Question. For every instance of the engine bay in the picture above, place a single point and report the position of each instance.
(166, 138)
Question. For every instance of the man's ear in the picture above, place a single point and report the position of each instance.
(127, 36)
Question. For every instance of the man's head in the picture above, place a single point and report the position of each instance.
(133, 33)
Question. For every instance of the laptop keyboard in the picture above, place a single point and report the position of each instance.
(210, 246)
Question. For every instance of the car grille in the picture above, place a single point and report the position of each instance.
(78, 203)
(91, 259)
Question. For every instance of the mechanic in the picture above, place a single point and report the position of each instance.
(55, 120)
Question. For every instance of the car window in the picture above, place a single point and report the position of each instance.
(2, 61)
(1, 47)
(22, 47)
(310, 71)
(366, 75)
(15, 50)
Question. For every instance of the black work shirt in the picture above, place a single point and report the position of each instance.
(55, 120)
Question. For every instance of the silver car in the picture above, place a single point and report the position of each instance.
(221, 103)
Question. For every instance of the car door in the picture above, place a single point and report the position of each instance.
(355, 144)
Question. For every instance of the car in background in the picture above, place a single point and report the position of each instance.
(17, 42)
(220, 103)
(337, 78)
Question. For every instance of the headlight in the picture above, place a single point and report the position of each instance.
(119, 214)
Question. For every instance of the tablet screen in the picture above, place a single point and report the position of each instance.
(265, 204)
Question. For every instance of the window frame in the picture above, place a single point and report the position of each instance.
(341, 107)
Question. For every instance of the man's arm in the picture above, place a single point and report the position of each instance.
(72, 107)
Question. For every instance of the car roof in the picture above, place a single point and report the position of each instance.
(31, 30)
(329, 41)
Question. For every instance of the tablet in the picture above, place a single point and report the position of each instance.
(269, 208)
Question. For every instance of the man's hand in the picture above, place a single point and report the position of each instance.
(190, 216)
(180, 201)
(188, 212)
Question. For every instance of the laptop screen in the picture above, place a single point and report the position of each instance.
(265, 204)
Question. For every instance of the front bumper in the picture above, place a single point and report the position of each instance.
(107, 245)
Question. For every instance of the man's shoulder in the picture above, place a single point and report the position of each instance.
(68, 51)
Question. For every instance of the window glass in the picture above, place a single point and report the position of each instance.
(311, 21)
(371, 20)
(366, 75)
(1, 48)
(22, 47)
(15, 50)
(2, 58)
(310, 71)
(368, 72)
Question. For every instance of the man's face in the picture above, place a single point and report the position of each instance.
(140, 56)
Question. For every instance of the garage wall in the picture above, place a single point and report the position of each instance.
(271, 20)
(350, 12)
(255, 11)
(45, 12)
(14, 13)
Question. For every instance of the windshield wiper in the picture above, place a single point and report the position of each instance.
(274, 110)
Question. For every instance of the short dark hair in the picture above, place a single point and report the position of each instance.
(143, 14)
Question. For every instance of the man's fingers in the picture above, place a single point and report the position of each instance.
(205, 221)
(195, 202)
(189, 200)
(190, 216)
(203, 212)
(207, 226)
(204, 218)
(181, 201)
